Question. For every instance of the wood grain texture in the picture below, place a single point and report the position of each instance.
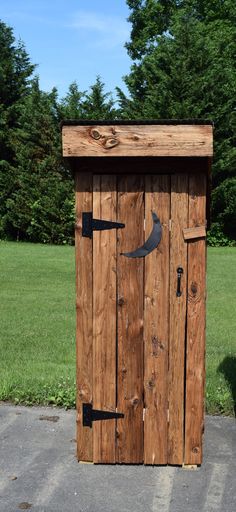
(84, 328)
(130, 322)
(137, 140)
(104, 318)
(196, 312)
(156, 324)
(178, 257)
(194, 232)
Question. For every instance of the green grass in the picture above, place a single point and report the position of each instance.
(221, 331)
(37, 326)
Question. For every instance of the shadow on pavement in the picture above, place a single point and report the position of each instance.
(228, 368)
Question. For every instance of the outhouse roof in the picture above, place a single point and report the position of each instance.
(153, 138)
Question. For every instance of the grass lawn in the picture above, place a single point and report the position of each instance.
(221, 330)
(37, 326)
(37, 323)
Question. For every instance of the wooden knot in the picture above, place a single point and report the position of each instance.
(81, 393)
(121, 301)
(95, 134)
(194, 288)
(110, 142)
(134, 401)
(151, 384)
(123, 374)
(196, 449)
(157, 345)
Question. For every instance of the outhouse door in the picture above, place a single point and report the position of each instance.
(140, 321)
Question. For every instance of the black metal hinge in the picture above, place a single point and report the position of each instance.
(90, 415)
(89, 224)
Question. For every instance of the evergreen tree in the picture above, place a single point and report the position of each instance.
(92, 104)
(40, 208)
(15, 68)
(37, 197)
(15, 74)
(184, 67)
(98, 104)
(71, 107)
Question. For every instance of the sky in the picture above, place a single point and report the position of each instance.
(72, 40)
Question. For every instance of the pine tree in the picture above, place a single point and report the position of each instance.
(15, 75)
(40, 208)
(92, 104)
(71, 107)
(98, 104)
(185, 67)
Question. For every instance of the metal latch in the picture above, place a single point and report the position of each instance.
(90, 415)
(179, 274)
(89, 224)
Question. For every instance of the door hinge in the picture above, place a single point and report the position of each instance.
(169, 224)
(168, 415)
(89, 224)
(144, 410)
(90, 415)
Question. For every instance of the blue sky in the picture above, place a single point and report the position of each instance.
(72, 39)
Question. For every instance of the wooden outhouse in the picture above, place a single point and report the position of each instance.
(140, 236)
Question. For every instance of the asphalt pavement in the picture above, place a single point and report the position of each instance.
(39, 471)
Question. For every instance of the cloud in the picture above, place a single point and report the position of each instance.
(107, 30)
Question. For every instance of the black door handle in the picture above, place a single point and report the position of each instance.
(179, 274)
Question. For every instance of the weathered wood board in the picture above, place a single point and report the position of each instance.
(130, 321)
(196, 312)
(84, 320)
(137, 140)
(194, 232)
(178, 258)
(104, 318)
(156, 324)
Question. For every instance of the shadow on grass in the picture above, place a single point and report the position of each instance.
(228, 368)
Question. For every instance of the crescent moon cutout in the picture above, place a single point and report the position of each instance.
(151, 243)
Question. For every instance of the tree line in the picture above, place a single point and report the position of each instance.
(184, 66)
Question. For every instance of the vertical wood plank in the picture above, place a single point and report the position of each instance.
(130, 322)
(104, 318)
(196, 312)
(84, 330)
(156, 324)
(178, 257)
